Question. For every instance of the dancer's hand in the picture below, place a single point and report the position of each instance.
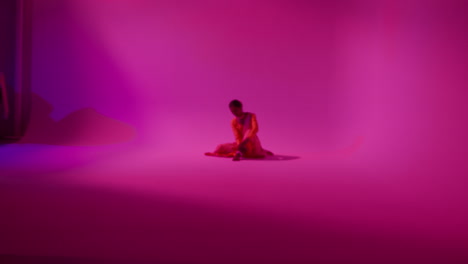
(241, 146)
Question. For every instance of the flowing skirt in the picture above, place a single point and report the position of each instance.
(251, 149)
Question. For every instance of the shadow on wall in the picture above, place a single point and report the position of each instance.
(84, 127)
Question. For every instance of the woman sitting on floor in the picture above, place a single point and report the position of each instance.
(245, 128)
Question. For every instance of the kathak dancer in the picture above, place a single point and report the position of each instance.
(245, 128)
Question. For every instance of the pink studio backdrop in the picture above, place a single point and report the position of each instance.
(370, 94)
(384, 79)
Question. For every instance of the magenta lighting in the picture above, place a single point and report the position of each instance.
(234, 131)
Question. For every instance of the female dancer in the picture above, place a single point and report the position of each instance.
(245, 128)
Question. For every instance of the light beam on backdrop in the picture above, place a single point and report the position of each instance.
(187, 61)
(77, 81)
(317, 75)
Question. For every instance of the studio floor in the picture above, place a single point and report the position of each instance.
(127, 204)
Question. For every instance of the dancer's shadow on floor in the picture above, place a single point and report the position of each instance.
(84, 127)
(275, 158)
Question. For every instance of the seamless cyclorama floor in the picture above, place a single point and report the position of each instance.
(123, 204)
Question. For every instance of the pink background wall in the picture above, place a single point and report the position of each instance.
(381, 82)
(387, 76)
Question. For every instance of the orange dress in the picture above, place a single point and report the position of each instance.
(245, 129)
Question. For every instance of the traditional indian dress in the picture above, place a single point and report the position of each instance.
(245, 130)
